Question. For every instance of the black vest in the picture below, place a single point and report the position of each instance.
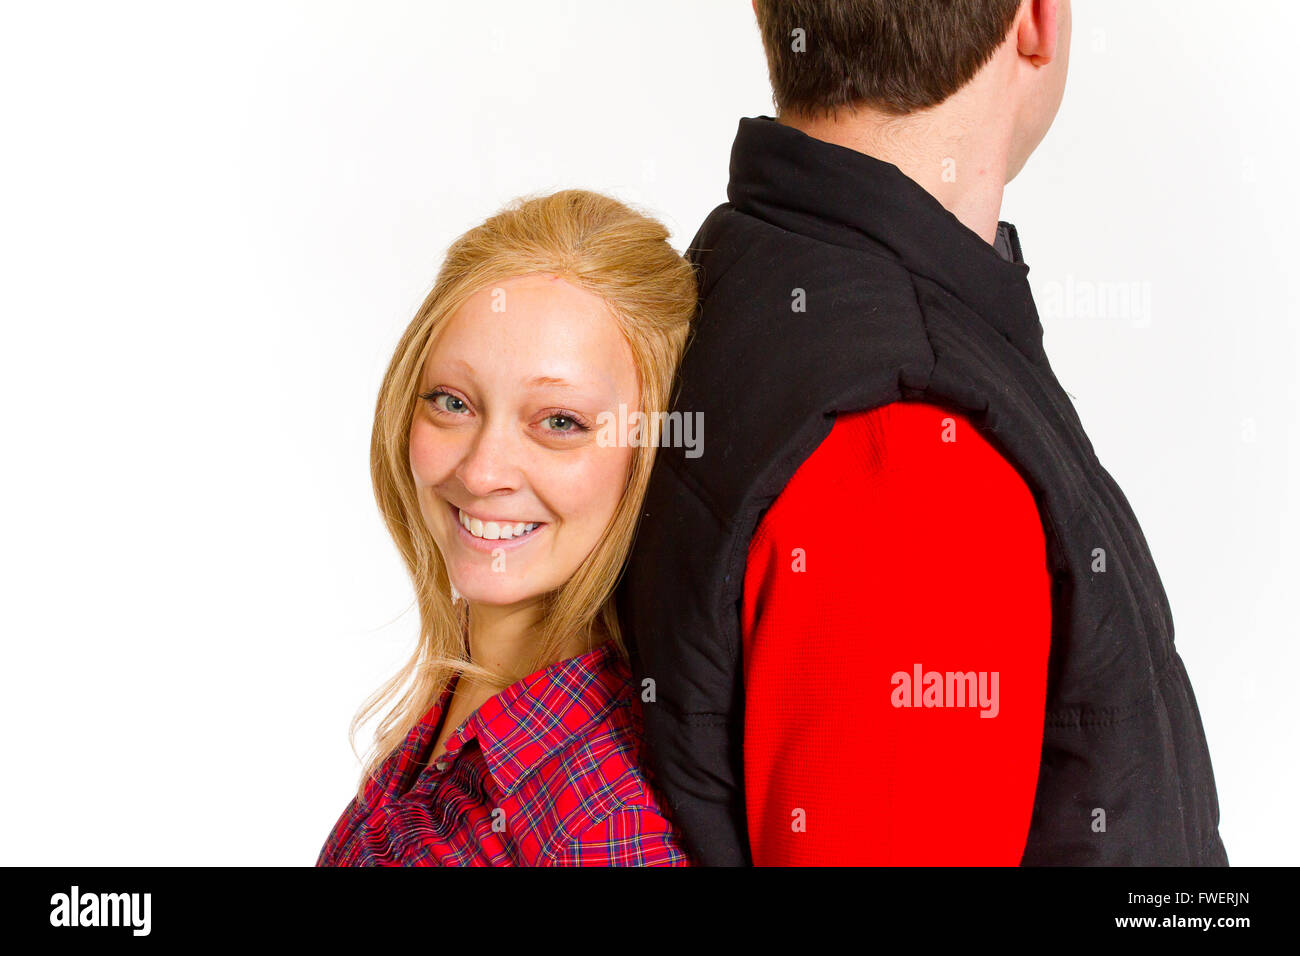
(901, 302)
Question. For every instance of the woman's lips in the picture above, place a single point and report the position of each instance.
(489, 545)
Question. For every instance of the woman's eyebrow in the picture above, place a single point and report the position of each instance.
(537, 381)
(543, 381)
(463, 364)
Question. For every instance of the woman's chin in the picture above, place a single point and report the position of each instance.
(492, 593)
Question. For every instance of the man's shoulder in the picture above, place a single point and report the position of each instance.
(780, 307)
(733, 249)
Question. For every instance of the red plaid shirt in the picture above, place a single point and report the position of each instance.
(545, 773)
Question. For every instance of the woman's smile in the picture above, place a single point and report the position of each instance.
(487, 535)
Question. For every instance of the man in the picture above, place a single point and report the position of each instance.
(897, 612)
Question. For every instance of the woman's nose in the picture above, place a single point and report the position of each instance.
(492, 463)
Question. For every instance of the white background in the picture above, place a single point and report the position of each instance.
(216, 218)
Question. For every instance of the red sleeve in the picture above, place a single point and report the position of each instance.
(904, 545)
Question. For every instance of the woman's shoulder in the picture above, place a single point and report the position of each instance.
(607, 749)
(609, 812)
(628, 836)
(624, 820)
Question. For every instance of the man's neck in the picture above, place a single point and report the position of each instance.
(959, 161)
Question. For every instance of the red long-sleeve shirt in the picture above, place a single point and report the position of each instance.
(904, 545)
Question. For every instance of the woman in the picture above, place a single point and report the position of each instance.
(511, 485)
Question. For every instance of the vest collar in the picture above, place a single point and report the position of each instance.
(838, 195)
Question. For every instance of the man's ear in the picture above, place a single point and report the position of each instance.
(1037, 34)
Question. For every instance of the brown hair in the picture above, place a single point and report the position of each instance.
(597, 244)
(898, 56)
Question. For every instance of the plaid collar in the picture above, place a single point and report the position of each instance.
(537, 717)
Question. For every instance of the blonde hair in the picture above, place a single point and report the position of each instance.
(604, 247)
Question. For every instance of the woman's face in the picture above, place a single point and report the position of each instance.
(505, 436)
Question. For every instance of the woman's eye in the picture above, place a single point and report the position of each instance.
(564, 423)
(445, 401)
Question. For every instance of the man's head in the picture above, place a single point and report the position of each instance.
(900, 57)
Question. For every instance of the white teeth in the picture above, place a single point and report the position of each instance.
(495, 530)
